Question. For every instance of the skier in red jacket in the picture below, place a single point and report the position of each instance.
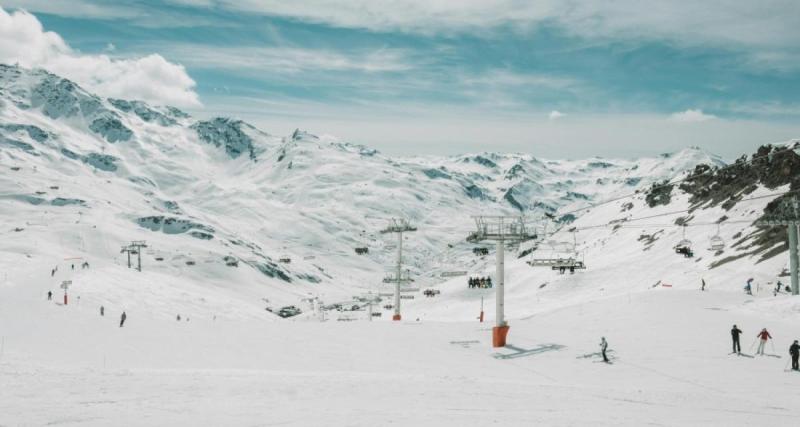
(764, 336)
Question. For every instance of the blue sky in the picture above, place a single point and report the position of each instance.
(555, 79)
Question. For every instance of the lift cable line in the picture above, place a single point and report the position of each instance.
(667, 184)
(500, 229)
(398, 226)
(684, 211)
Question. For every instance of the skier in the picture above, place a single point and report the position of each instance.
(603, 348)
(737, 348)
(122, 319)
(794, 350)
(702, 284)
(102, 311)
(52, 272)
(747, 288)
(49, 295)
(764, 336)
(178, 318)
(778, 287)
(73, 266)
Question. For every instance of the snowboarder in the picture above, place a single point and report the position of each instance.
(102, 311)
(603, 348)
(122, 319)
(794, 350)
(764, 336)
(737, 348)
(49, 295)
(702, 284)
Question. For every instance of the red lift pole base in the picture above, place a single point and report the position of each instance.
(481, 317)
(65, 299)
(396, 317)
(499, 334)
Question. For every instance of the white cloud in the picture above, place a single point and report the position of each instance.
(151, 78)
(555, 115)
(758, 28)
(691, 116)
(278, 59)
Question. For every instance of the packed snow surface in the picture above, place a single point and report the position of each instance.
(239, 223)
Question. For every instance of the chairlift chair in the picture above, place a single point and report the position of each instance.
(684, 246)
(716, 243)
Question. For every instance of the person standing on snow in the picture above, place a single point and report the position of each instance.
(49, 295)
(747, 288)
(794, 350)
(764, 336)
(702, 284)
(102, 311)
(737, 348)
(122, 319)
(603, 348)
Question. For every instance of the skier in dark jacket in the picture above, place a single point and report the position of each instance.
(122, 319)
(603, 348)
(49, 295)
(794, 350)
(102, 311)
(735, 331)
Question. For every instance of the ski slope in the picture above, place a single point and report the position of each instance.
(82, 176)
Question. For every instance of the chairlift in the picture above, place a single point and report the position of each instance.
(480, 251)
(684, 247)
(716, 243)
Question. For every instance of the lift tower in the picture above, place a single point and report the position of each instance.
(398, 226)
(500, 229)
(135, 247)
(788, 214)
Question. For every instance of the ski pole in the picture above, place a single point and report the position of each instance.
(754, 343)
(772, 343)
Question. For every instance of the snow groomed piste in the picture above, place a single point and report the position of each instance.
(259, 276)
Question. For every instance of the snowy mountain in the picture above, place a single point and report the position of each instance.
(237, 220)
(220, 203)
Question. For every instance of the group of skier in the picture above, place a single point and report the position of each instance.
(763, 336)
(480, 282)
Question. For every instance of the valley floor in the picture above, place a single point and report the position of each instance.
(69, 366)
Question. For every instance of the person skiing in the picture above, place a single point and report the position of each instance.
(794, 350)
(178, 318)
(49, 295)
(764, 336)
(603, 348)
(702, 284)
(747, 288)
(735, 331)
(778, 287)
(102, 311)
(122, 319)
